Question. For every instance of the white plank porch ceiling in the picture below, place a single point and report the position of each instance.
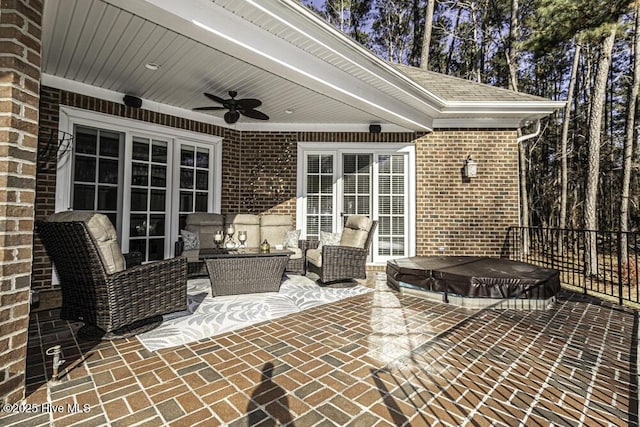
(95, 43)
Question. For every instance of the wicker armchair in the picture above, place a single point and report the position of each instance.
(346, 261)
(112, 300)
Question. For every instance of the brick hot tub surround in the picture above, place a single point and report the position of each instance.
(473, 281)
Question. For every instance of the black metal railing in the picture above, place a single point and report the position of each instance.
(598, 262)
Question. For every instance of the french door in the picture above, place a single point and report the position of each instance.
(340, 183)
(145, 182)
(149, 203)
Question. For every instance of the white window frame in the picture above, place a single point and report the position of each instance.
(70, 116)
(337, 149)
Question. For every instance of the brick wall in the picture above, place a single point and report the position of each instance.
(259, 176)
(20, 32)
(467, 216)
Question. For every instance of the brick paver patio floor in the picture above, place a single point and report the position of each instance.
(375, 360)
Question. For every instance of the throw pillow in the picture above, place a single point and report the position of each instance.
(291, 239)
(191, 240)
(330, 239)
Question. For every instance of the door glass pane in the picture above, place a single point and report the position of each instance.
(158, 176)
(140, 149)
(159, 152)
(107, 198)
(109, 144)
(86, 140)
(138, 225)
(138, 199)
(157, 202)
(156, 225)
(83, 197)
(202, 158)
(156, 249)
(108, 171)
(85, 169)
(202, 180)
(140, 174)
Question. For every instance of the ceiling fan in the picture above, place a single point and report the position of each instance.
(246, 107)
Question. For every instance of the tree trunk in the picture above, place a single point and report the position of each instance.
(426, 37)
(628, 141)
(595, 127)
(564, 174)
(514, 31)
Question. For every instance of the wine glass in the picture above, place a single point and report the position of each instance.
(242, 238)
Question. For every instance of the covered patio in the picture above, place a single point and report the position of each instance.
(347, 133)
(374, 360)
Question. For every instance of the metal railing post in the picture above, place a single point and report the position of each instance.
(619, 267)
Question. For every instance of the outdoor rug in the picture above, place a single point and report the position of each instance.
(207, 316)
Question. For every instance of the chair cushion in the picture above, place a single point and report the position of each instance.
(206, 224)
(297, 253)
(314, 256)
(246, 222)
(192, 255)
(330, 239)
(274, 227)
(291, 238)
(353, 238)
(191, 239)
(356, 230)
(359, 222)
(103, 232)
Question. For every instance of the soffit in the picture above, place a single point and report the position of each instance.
(101, 45)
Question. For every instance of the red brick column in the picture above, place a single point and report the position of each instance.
(20, 34)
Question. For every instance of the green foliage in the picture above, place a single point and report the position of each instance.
(558, 21)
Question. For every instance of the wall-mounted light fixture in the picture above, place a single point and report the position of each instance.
(470, 169)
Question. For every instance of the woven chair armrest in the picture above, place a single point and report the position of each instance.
(303, 244)
(148, 290)
(312, 244)
(132, 259)
(171, 272)
(339, 256)
(333, 251)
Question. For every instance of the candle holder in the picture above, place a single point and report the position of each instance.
(230, 232)
(218, 238)
(242, 238)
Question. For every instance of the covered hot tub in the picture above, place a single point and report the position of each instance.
(489, 279)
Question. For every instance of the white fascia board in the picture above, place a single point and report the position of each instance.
(117, 97)
(222, 30)
(479, 123)
(334, 41)
(500, 107)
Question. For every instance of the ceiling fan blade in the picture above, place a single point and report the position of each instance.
(249, 103)
(208, 108)
(255, 114)
(215, 98)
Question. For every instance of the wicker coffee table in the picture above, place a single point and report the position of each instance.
(245, 271)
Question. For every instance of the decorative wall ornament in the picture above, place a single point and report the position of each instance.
(52, 145)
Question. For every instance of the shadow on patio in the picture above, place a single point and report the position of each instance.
(376, 359)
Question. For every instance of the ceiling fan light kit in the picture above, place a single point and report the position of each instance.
(246, 107)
